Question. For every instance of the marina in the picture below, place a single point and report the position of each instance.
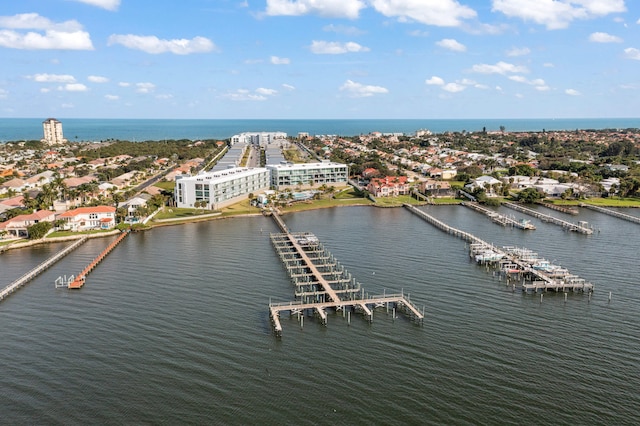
(521, 267)
(499, 218)
(581, 227)
(321, 282)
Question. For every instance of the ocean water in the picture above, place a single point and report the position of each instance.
(15, 129)
(173, 328)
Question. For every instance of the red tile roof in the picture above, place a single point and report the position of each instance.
(87, 210)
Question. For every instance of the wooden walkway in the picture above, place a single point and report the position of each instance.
(79, 280)
(563, 209)
(39, 269)
(535, 274)
(322, 283)
(581, 228)
(499, 218)
(614, 213)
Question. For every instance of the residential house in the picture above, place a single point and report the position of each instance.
(436, 188)
(89, 218)
(485, 182)
(388, 186)
(16, 185)
(17, 226)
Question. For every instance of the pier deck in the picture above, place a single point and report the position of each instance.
(499, 218)
(546, 218)
(322, 282)
(79, 280)
(613, 213)
(39, 269)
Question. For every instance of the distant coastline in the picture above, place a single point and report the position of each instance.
(80, 129)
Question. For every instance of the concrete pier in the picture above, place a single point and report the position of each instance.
(580, 227)
(613, 213)
(499, 218)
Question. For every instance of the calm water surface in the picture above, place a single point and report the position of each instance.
(173, 328)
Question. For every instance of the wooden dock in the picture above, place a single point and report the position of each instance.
(39, 269)
(563, 209)
(531, 271)
(581, 227)
(79, 280)
(614, 213)
(321, 282)
(499, 218)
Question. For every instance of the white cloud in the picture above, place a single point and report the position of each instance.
(419, 33)
(52, 78)
(435, 81)
(443, 13)
(266, 92)
(3, 94)
(97, 79)
(632, 53)
(638, 21)
(67, 35)
(335, 48)
(67, 106)
(342, 29)
(105, 4)
(548, 65)
(164, 96)
(599, 37)
(145, 87)
(543, 88)
(328, 8)
(556, 14)
(112, 97)
(572, 92)
(451, 44)
(280, 61)
(74, 87)
(537, 82)
(358, 90)
(453, 87)
(498, 68)
(154, 45)
(45, 90)
(289, 87)
(244, 95)
(518, 51)
(124, 84)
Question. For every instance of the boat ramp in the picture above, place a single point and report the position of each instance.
(581, 227)
(499, 218)
(39, 269)
(627, 217)
(322, 283)
(520, 267)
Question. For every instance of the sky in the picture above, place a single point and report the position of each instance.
(325, 59)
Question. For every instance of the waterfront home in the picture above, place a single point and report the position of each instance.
(484, 182)
(17, 226)
(388, 186)
(436, 188)
(89, 218)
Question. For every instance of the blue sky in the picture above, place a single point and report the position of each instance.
(320, 58)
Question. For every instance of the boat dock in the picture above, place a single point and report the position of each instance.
(39, 269)
(79, 280)
(563, 209)
(321, 282)
(532, 273)
(581, 227)
(614, 213)
(499, 218)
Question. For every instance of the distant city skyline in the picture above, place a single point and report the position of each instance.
(320, 59)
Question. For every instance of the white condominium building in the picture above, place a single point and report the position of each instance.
(308, 174)
(52, 132)
(215, 190)
(258, 138)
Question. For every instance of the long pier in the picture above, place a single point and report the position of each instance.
(563, 209)
(580, 227)
(537, 274)
(499, 218)
(40, 268)
(322, 282)
(628, 217)
(79, 280)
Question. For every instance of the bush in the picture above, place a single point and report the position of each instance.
(39, 230)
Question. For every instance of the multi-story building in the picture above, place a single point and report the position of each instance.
(388, 186)
(86, 218)
(258, 138)
(52, 132)
(215, 190)
(308, 174)
(17, 226)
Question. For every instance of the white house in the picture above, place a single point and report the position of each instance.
(88, 218)
(485, 182)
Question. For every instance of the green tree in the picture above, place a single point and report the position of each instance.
(529, 196)
(38, 230)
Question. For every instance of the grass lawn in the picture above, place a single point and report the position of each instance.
(396, 201)
(4, 243)
(324, 203)
(446, 200)
(243, 207)
(602, 202)
(167, 186)
(176, 212)
(70, 233)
